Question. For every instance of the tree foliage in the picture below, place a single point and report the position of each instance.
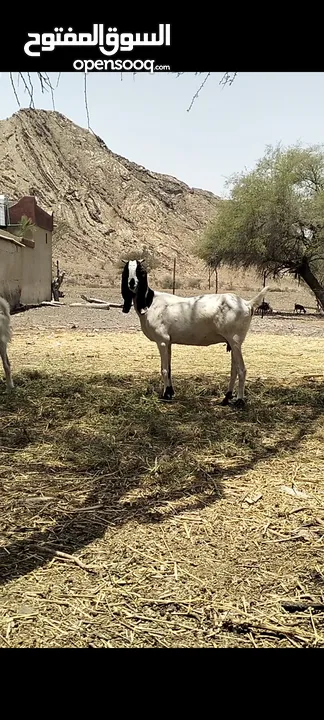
(150, 261)
(274, 218)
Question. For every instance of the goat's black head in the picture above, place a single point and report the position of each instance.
(134, 284)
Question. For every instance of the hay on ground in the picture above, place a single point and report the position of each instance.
(126, 522)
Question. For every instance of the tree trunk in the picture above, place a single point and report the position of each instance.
(310, 280)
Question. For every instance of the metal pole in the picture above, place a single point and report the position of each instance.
(174, 274)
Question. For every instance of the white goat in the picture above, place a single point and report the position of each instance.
(202, 320)
(5, 337)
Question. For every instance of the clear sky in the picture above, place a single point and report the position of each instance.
(145, 118)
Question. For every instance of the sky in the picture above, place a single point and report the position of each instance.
(145, 119)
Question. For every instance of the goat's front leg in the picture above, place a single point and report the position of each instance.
(165, 352)
(229, 393)
(6, 367)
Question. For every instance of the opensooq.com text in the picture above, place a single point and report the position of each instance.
(135, 65)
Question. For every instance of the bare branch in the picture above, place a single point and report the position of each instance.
(45, 84)
(86, 100)
(228, 79)
(40, 77)
(49, 84)
(30, 92)
(31, 89)
(14, 89)
(198, 91)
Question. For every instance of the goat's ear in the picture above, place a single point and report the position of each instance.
(127, 295)
(141, 291)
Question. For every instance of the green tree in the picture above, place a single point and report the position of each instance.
(274, 218)
(143, 253)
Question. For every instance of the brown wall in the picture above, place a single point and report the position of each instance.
(28, 206)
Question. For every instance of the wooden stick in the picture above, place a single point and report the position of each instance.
(53, 303)
(293, 605)
(98, 306)
(268, 627)
(67, 556)
(93, 300)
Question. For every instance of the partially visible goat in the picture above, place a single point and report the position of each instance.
(5, 337)
(299, 308)
(264, 307)
(202, 320)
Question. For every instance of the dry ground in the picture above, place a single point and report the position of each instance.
(126, 522)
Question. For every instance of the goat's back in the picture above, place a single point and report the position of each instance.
(199, 320)
(5, 322)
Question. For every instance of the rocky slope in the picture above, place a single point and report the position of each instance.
(104, 205)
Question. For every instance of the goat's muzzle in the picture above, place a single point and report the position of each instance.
(132, 285)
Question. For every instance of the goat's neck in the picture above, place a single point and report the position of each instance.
(143, 302)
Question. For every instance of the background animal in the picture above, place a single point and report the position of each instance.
(299, 308)
(264, 307)
(5, 338)
(200, 320)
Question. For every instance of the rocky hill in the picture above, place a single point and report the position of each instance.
(104, 205)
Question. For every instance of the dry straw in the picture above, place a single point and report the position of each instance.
(128, 523)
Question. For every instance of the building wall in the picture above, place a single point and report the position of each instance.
(26, 270)
(37, 269)
(11, 271)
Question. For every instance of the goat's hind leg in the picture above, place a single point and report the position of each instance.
(6, 366)
(229, 393)
(170, 388)
(165, 353)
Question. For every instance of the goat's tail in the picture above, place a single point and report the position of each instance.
(256, 300)
(4, 307)
(5, 324)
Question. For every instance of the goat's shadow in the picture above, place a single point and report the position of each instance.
(131, 442)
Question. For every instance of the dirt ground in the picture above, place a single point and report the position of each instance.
(113, 320)
(126, 522)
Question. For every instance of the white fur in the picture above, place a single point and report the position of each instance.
(5, 338)
(202, 320)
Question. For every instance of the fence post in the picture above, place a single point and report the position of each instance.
(174, 275)
(264, 282)
(216, 280)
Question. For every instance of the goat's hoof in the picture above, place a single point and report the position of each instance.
(239, 403)
(168, 394)
(227, 398)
